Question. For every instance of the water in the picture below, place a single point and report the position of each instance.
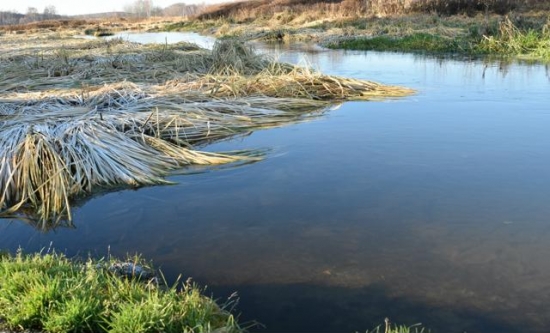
(164, 37)
(432, 208)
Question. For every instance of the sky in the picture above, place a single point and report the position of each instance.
(76, 7)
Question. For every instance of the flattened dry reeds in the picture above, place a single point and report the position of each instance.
(47, 159)
(44, 165)
(94, 115)
(298, 83)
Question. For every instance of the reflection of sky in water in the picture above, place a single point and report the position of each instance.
(432, 208)
(167, 37)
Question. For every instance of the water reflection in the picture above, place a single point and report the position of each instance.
(166, 37)
(318, 57)
(429, 209)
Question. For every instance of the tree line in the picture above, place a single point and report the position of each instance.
(137, 9)
(32, 15)
(146, 8)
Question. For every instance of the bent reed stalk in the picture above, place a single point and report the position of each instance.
(79, 115)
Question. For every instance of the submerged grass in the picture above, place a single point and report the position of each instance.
(49, 292)
(77, 116)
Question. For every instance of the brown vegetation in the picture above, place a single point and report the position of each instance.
(78, 115)
(49, 24)
(258, 9)
(453, 7)
(88, 26)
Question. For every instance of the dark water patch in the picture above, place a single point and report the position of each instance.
(310, 308)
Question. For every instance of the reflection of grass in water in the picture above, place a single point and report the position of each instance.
(110, 114)
(52, 293)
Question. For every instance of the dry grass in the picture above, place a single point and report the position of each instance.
(77, 116)
(286, 11)
(49, 24)
(299, 83)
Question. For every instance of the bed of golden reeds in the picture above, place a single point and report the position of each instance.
(80, 115)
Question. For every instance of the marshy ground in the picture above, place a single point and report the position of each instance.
(80, 115)
(498, 28)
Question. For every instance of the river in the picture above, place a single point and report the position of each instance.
(428, 209)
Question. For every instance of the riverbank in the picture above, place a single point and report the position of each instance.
(505, 29)
(499, 33)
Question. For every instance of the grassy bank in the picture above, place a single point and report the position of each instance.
(502, 38)
(49, 292)
(504, 28)
(507, 28)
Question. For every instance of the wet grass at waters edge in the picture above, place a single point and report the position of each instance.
(51, 293)
(48, 292)
(508, 41)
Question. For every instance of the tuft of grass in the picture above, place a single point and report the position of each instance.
(233, 56)
(394, 328)
(513, 41)
(52, 293)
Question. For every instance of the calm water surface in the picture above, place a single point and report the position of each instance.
(432, 208)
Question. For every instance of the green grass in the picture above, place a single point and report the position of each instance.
(503, 39)
(418, 42)
(496, 32)
(513, 41)
(51, 293)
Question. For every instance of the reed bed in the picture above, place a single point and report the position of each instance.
(77, 116)
(301, 83)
